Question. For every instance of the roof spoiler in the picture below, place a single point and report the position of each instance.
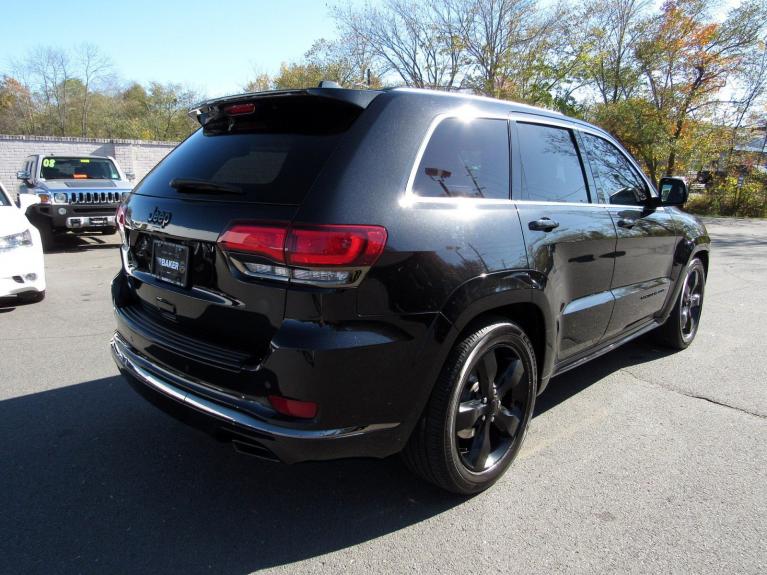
(210, 109)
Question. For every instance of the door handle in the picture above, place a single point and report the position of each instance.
(543, 225)
(627, 222)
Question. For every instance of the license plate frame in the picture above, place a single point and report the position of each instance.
(170, 262)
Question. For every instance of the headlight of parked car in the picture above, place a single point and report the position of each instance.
(60, 198)
(15, 241)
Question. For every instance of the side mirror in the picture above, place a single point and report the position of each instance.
(26, 200)
(673, 191)
(23, 175)
(130, 175)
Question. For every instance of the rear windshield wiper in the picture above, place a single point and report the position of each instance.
(194, 185)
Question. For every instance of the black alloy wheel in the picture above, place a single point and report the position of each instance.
(480, 408)
(691, 303)
(681, 327)
(491, 408)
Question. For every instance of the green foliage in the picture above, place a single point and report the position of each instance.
(733, 197)
(335, 61)
(62, 94)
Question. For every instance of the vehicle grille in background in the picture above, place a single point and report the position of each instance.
(94, 197)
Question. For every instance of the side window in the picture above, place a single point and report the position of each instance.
(616, 177)
(467, 159)
(550, 165)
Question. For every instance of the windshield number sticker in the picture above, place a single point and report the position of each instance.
(49, 163)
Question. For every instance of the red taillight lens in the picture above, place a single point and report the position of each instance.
(308, 246)
(293, 407)
(267, 241)
(335, 246)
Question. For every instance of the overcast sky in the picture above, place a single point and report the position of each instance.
(214, 47)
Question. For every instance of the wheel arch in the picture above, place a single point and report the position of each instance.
(685, 254)
(512, 296)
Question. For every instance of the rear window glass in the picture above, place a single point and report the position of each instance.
(465, 159)
(56, 168)
(272, 155)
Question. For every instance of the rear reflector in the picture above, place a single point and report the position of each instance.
(293, 407)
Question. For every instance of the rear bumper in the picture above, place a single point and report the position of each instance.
(248, 430)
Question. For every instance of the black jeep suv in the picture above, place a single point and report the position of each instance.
(329, 273)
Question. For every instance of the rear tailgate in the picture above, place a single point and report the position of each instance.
(187, 300)
(210, 301)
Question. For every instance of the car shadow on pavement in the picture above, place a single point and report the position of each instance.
(95, 480)
(87, 242)
(10, 303)
(570, 383)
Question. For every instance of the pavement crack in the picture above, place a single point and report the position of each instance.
(694, 395)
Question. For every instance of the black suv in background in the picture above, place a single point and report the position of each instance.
(329, 273)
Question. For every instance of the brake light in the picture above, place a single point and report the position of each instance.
(267, 241)
(240, 109)
(335, 246)
(312, 254)
(293, 407)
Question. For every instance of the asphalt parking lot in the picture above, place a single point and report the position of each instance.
(642, 461)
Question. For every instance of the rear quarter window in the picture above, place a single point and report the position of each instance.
(465, 158)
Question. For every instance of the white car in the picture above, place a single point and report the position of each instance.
(22, 270)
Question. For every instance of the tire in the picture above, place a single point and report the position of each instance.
(109, 231)
(476, 418)
(681, 327)
(31, 296)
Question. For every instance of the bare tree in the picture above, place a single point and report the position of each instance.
(94, 67)
(47, 71)
(494, 33)
(612, 29)
(407, 38)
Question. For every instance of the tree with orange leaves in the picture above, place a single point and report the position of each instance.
(685, 60)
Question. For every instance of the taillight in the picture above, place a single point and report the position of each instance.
(335, 246)
(312, 254)
(267, 241)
